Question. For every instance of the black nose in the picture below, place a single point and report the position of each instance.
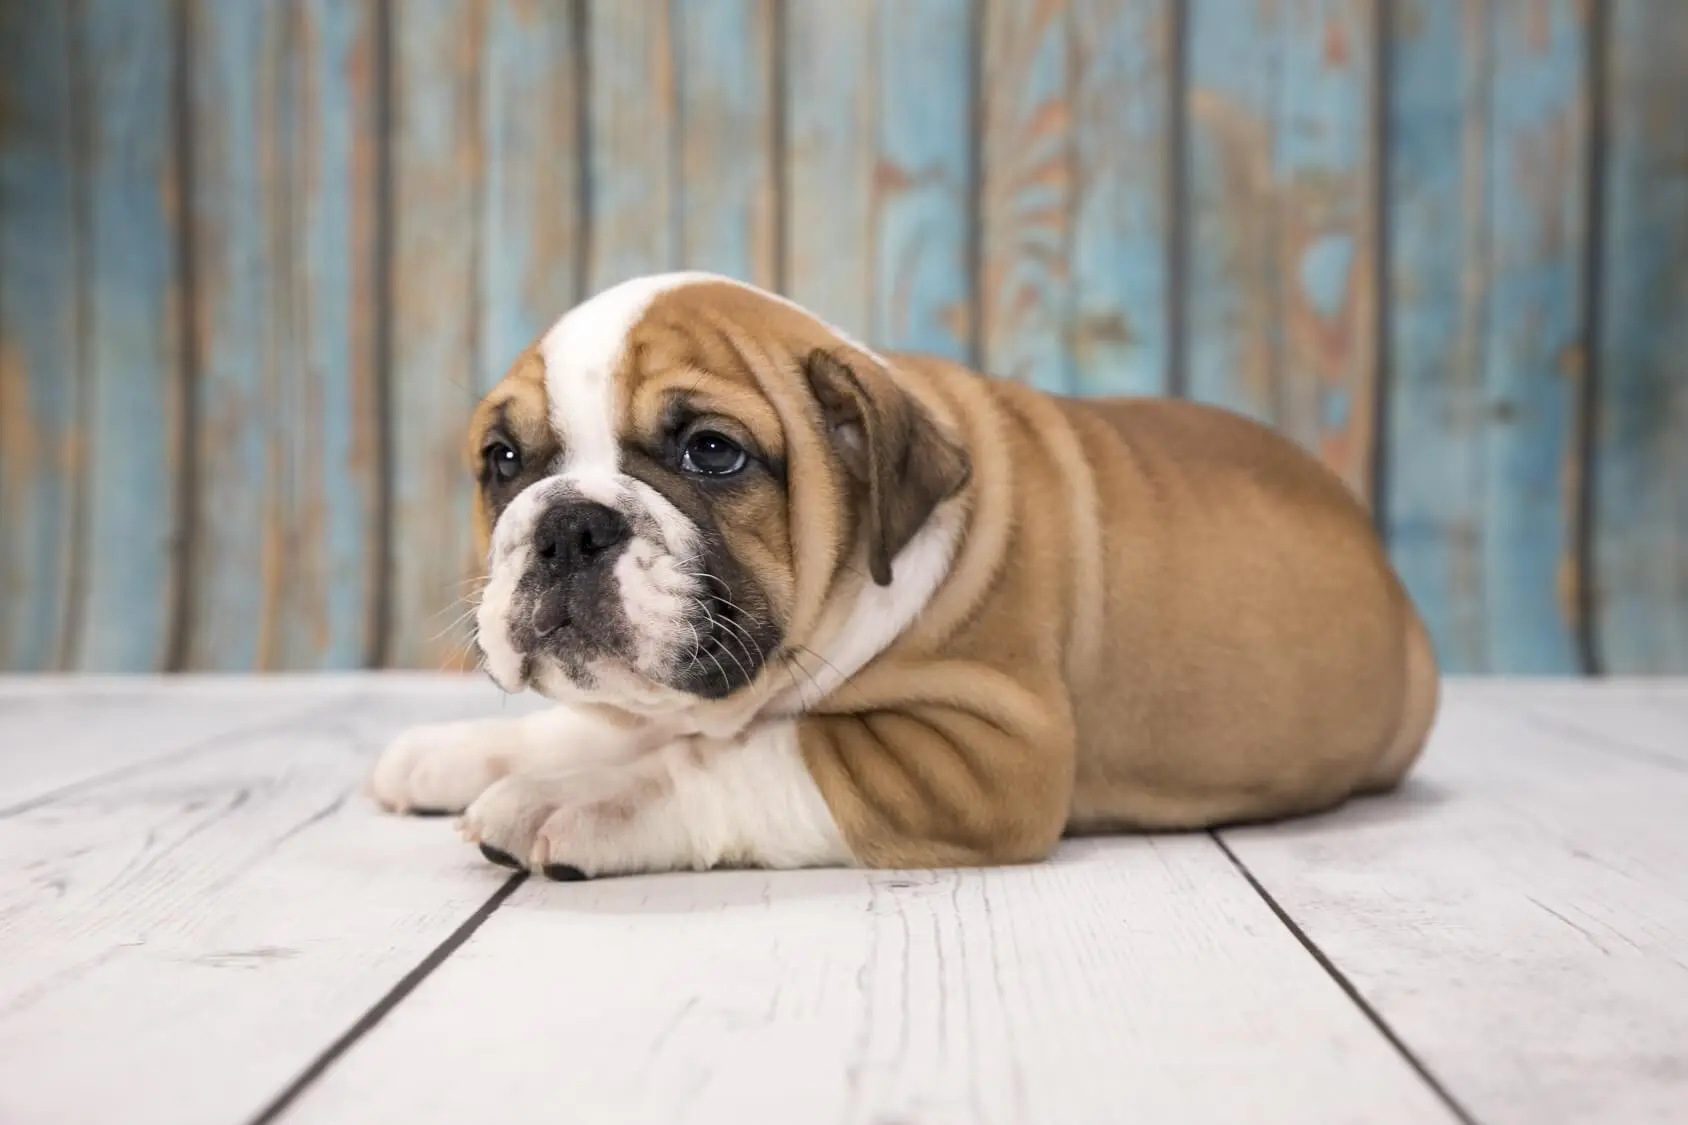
(577, 534)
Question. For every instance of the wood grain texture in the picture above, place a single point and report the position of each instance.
(632, 157)
(331, 402)
(438, 163)
(1142, 974)
(131, 598)
(831, 52)
(1119, 334)
(1439, 131)
(1529, 880)
(531, 244)
(241, 122)
(207, 927)
(87, 730)
(1489, 188)
(724, 83)
(1641, 468)
(1282, 307)
(1026, 189)
(1535, 358)
(1074, 217)
(880, 165)
(924, 177)
(42, 255)
(1644, 718)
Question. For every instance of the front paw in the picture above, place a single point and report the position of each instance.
(436, 770)
(575, 826)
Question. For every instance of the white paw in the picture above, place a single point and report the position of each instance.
(577, 825)
(439, 768)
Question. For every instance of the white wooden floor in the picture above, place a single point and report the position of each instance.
(202, 921)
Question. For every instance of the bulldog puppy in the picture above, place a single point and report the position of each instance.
(801, 603)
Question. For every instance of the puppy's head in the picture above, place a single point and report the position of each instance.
(672, 481)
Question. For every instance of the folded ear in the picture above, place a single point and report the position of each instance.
(904, 464)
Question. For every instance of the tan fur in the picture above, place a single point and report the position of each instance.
(1160, 615)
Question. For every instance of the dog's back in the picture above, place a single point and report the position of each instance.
(1238, 646)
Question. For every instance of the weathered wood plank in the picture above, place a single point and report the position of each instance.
(831, 159)
(1641, 470)
(1141, 973)
(1073, 196)
(531, 245)
(923, 185)
(1026, 190)
(1648, 718)
(1535, 362)
(1439, 130)
(437, 168)
(1120, 331)
(205, 928)
(633, 146)
(137, 387)
(724, 82)
(1282, 307)
(1529, 880)
(331, 395)
(1489, 184)
(88, 730)
(42, 441)
(240, 122)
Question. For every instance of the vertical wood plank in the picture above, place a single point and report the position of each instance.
(881, 157)
(41, 256)
(724, 56)
(924, 179)
(1488, 154)
(531, 242)
(1281, 298)
(1437, 290)
(1119, 335)
(437, 162)
(1535, 356)
(1026, 192)
(332, 400)
(1074, 215)
(1641, 498)
(831, 159)
(632, 155)
(242, 318)
(137, 387)
(1233, 296)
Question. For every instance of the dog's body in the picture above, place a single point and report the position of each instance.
(928, 619)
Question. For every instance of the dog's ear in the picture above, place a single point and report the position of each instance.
(904, 465)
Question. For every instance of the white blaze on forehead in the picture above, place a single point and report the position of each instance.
(584, 348)
(582, 352)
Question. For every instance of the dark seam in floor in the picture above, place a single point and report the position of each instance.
(181, 753)
(1347, 986)
(390, 1000)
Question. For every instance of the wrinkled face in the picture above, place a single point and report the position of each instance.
(633, 491)
(677, 480)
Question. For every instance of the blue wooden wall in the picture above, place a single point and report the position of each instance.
(258, 259)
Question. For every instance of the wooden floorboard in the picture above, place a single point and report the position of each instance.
(178, 942)
(200, 917)
(60, 736)
(1139, 980)
(1518, 915)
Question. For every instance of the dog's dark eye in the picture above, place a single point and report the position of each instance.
(503, 462)
(709, 454)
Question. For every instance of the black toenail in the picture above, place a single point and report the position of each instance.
(563, 873)
(432, 812)
(500, 856)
